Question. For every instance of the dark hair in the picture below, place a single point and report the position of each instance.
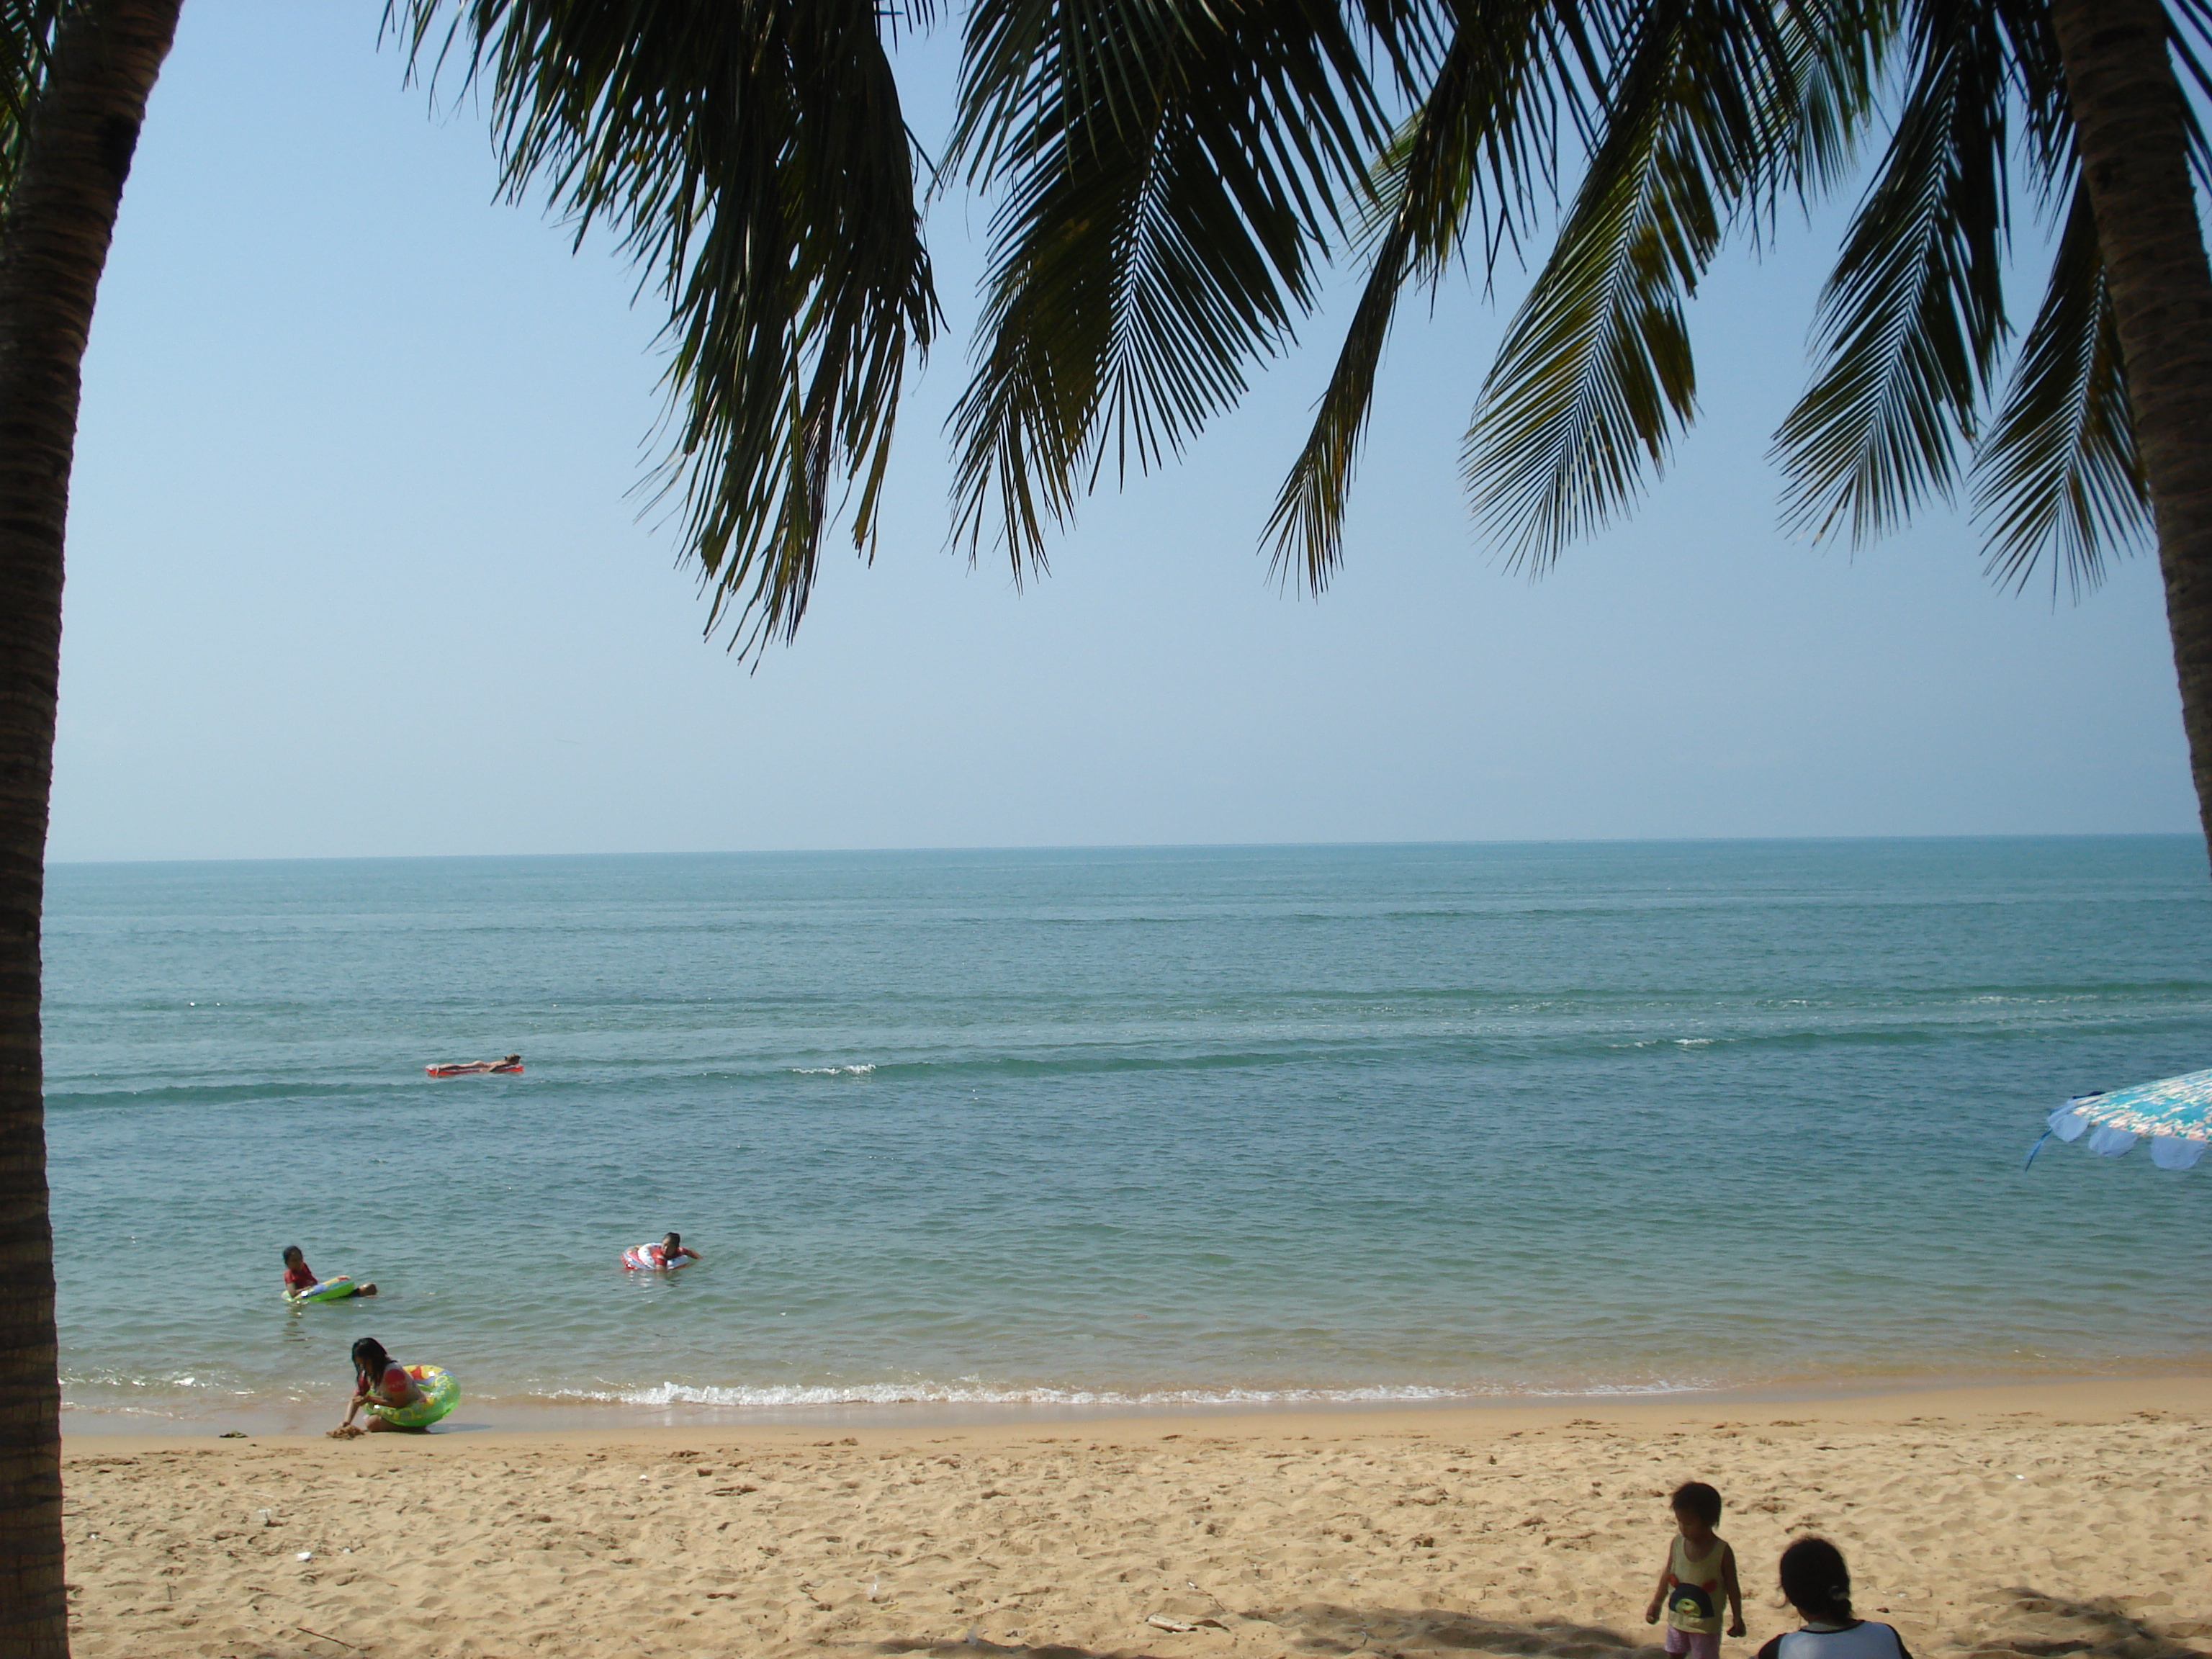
(1816, 1581)
(291, 1250)
(673, 1238)
(1696, 1498)
(370, 1360)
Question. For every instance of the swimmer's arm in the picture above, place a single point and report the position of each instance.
(1735, 1590)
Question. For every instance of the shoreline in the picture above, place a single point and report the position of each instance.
(2013, 1521)
(2076, 1398)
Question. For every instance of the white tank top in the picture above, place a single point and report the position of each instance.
(1863, 1638)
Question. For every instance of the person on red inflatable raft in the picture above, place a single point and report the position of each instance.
(670, 1252)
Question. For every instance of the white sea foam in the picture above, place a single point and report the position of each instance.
(135, 1383)
(932, 1393)
(831, 1071)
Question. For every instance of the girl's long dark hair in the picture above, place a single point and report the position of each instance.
(370, 1360)
(1816, 1581)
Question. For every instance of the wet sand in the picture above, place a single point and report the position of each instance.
(2004, 1523)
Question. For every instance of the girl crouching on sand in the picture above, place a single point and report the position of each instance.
(1819, 1585)
(386, 1389)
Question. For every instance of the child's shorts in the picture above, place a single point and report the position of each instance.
(1698, 1645)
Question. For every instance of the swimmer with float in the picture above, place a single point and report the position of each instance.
(670, 1252)
(401, 1399)
(301, 1284)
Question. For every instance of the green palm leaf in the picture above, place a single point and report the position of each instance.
(1172, 173)
(2189, 33)
(1595, 376)
(2057, 469)
(752, 157)
(1913, 321)
(1474, 150)
(27, 37)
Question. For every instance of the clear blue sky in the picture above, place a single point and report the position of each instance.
(354, 569)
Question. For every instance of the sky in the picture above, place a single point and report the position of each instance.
(357, 568)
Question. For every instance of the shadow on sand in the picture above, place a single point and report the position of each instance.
(2024, 1624)
(2035, 1624)
(1324, 1628)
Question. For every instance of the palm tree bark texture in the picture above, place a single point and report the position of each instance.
(2129, 133)
(61, 216)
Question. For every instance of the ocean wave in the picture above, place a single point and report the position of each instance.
(932, 1393)
(189, 1384)
(832, 1071)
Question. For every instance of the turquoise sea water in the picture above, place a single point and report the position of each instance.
(1111, 1126)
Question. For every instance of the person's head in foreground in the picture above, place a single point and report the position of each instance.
(1815, 1581)
(1697, 1509)
(672, 1241)
(512, 1059)
(293, 1255)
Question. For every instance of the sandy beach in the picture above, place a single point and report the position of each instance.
(2029, 1521)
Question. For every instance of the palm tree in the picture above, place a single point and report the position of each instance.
(1171, 176)
(754, 161)
(75, 88)
(2137, 139)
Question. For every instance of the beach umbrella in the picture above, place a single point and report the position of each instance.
(2177, 1115)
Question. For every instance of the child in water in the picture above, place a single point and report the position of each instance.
(670, 1252)
(1699, 1569)
(300, 1277)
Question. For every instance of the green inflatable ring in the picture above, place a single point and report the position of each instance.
(441, 1393)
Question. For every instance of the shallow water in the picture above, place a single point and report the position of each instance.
(1158, 1125)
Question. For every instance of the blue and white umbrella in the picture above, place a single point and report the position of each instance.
(2177, 1115)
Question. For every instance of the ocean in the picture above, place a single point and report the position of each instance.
(1074, 1130)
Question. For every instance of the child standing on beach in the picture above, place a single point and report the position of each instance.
(1699, 1571)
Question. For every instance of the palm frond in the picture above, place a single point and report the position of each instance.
(1840, 50)
(2189, 24)
(1172, 174)
(1596, 375)
(1913, 322)
(752, 157)
(1477, 148)
(2058, 471)
(27, 28)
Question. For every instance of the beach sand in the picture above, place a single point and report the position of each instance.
(2032, 1521)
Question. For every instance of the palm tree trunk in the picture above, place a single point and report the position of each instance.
(2128, 129)
(60, 216)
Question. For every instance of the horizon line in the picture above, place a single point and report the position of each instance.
(1146, 846)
